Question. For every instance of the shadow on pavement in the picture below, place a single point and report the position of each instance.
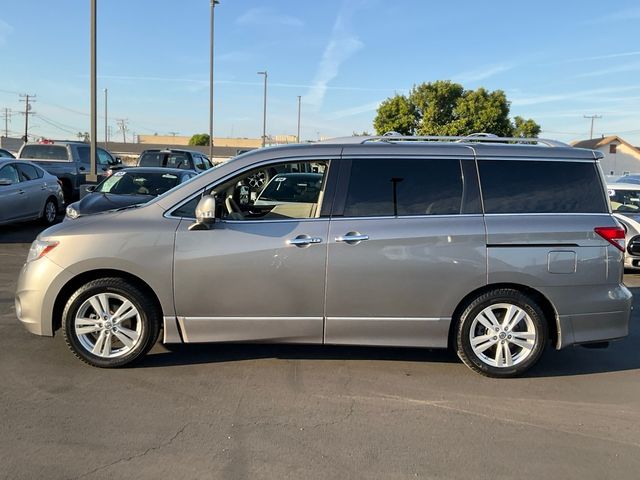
(621, 355)
(227, 352)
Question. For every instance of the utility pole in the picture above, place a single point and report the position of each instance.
(299, 103)
(93, 177)
(264, 110)
(213, 7)
(106, 119)
(122, 126)
(7, 118)
(592, 117)
(28, 100)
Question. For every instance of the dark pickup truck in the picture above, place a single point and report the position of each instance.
(69, 161)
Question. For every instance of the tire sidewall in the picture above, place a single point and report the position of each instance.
(45, 219)
(71, 310)
(471, 312)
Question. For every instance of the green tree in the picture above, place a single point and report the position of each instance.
(199, 139)
(396, 114)
(446, 108)
(525, 128)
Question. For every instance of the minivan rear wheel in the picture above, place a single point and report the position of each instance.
(110, 323)
(501, 333)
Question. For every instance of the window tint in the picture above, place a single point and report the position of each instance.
(150, 159)
(84, 154)
(200, 165)
(8, 172)
(44, 152)
(104, 158)
(541, 187)
(28, 172)
(404, 187)
(178, 160)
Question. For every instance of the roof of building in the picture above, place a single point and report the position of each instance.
(599, 142)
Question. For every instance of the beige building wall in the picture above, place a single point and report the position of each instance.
(184, 140)
(625, 160)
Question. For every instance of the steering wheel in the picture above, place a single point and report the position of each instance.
(258, 179)
(233, 209)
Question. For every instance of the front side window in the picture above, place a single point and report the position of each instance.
(199, 162)
(274, 192)
(8, 172)
(404, 187)
(104, 158)
(523, 186)
(150, 159)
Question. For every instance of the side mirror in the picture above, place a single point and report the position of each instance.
(85, 189)
(5, 182)
(205, 213)
(118, 161)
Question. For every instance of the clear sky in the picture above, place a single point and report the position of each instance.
(557, 61)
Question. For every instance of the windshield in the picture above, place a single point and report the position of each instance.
(624, 201)
(294, 187)
(138, 183)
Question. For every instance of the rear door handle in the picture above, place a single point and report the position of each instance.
(20, 192)
(303, 240)
(352, 238)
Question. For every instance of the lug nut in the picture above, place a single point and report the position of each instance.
(495, 338)
(509, 337)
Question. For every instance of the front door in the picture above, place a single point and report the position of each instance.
(259, 273)
(406, 244)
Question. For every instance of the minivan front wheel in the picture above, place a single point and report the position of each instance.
(110, 323)
(501, 333)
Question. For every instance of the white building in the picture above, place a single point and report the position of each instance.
(620, 157)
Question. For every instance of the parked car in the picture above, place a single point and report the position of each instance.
(625, 204)
(27, 192)
(126, 187)
(493, 248)
(4, 153)
(69, 161)
(175, 158)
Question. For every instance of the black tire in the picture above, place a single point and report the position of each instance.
(474, 308)
(149, 317)
(46, 218)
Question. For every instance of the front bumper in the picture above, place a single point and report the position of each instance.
(39, 283)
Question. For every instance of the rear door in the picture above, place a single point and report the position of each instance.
(35, 189)
(406, 244)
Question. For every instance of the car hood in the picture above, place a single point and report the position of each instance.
(101, 202)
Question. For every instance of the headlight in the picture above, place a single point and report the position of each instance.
(72, 212)
(39, 248)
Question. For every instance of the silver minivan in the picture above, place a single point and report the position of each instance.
(493, 247)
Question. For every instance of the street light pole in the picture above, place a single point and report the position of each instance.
(106, 119)
(299, 102)
(94, 103)
(264, 110)
(213, 7)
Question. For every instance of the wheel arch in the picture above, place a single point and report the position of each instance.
(550, 313)
(76, 282)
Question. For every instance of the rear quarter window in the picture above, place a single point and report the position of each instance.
(153, 159)
(514, 186)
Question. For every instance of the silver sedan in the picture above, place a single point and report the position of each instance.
(27, 192)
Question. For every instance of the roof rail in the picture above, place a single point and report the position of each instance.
(472, 138)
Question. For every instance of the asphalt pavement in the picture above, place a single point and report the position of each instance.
(259, 411)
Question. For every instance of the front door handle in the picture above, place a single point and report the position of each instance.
(352, 238)
(20, 192)
(303, 240)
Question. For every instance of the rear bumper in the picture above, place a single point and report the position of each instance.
(591, 314)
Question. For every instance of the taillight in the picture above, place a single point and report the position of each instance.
(613, 235)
